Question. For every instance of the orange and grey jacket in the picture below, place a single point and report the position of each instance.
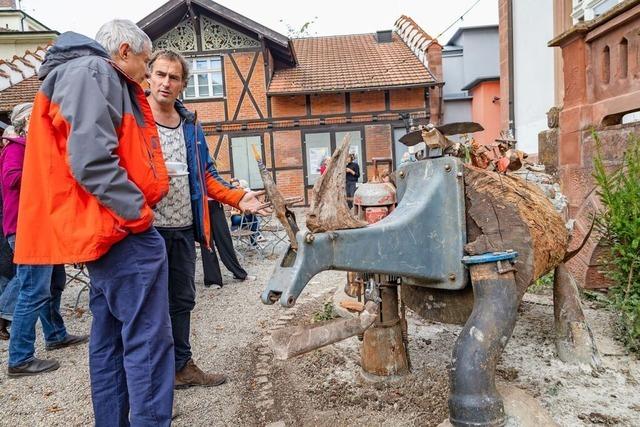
(93, 165)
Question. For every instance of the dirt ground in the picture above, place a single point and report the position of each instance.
(230, 330)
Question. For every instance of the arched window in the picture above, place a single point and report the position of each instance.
(605, 65)
(623, 53)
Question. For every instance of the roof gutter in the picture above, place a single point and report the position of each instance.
(364, 89)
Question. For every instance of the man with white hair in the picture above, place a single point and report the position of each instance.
(93, 172)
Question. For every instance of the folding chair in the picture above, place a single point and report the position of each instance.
(242, 234)
(80, 275)
(273, 230)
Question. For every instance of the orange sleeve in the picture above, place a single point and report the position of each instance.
(225, 195)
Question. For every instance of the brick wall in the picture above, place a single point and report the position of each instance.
(290, 182)
(378, 140)
(222, 160)
(407, 99)
(234, 85)
(327, 104)
(208, 111)
(288, 106)
(287, 148)
(8, 3)
(367, 101)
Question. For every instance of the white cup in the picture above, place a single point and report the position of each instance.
(176, 168)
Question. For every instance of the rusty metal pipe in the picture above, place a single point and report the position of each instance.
(383, 349)
(290, 342)
(474, 400)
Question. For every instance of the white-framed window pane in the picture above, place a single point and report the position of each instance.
(244, 164)
(201, 64)
(206, 80)
(190, 90)
(216, 84)
(318, 147)
(203, 86)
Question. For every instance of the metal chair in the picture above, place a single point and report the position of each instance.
(272, 229)
(80, 275)
(242, 234)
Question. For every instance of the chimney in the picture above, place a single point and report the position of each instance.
(384, 36)
(8, 4)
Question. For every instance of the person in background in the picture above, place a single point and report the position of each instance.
(248, 221)
(36, 290)
(7, 267)
(221, 236)
(323, 165)
(353, 173)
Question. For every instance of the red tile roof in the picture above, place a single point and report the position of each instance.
(25, 91)
(351, 62)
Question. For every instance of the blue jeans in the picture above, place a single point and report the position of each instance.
(40, 291)
(9, 294)
(131, 360)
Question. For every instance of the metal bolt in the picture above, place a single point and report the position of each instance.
(459, 174)
(452, 277)
(447, 168)
(309, 238)
(401, 174)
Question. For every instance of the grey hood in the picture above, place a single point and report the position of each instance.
(70, 46)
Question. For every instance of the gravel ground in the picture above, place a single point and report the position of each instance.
(230, 329)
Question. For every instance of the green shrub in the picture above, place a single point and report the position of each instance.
(619, 224)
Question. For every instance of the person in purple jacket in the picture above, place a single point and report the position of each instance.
(11, 163)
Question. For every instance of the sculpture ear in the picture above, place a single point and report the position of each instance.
(329, 210)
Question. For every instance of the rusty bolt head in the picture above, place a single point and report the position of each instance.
(401, 173)
(309, 238)
(452, 277)
(447, 168)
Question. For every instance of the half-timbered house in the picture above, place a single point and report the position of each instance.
(295, 99)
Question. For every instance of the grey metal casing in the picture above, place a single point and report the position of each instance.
(422, 240)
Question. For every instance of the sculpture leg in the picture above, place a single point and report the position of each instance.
(574, 339)
(474, 400)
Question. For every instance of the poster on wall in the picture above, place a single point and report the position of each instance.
(316, 155)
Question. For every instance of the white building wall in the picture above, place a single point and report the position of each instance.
(533, 70)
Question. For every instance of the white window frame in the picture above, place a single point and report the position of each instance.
(197, 74)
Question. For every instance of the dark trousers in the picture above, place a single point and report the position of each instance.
(351, 190)
(131, 349)
(221, 238)
(181, 253)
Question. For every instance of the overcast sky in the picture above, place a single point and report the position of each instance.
(331, 16)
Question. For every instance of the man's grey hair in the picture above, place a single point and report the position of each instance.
(20, 117)
(114, 33)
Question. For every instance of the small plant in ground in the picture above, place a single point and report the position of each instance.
(619, 224)
(543, 283)
(326, 313)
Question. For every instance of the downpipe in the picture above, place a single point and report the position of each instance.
(474, 399)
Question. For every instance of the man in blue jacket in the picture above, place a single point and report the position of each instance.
(182, 217)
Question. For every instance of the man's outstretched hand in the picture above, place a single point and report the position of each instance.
(251, 204)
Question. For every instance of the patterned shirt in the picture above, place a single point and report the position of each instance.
(174, 211)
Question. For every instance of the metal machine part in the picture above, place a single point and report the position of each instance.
(474, 399)
(422, 240)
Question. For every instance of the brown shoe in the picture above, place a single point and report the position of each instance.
(192, 376)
